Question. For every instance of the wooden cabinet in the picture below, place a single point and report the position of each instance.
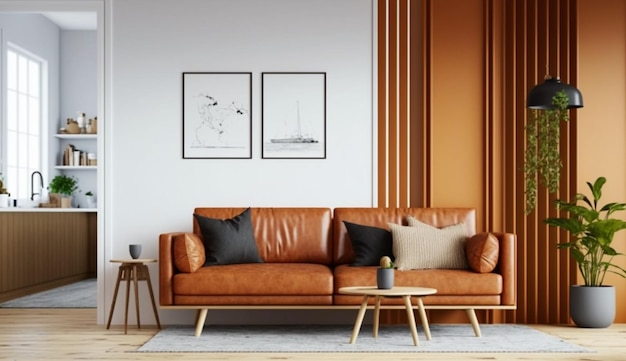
(40, 250)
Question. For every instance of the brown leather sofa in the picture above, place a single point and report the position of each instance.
(306, 255)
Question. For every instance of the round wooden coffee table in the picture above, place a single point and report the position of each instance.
(405, 292)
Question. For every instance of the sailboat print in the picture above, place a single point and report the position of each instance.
(298, 137)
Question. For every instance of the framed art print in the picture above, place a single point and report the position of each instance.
(293, 115)
(217, 115)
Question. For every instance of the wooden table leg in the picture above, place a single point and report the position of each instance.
(423, 317)
(117, 287)
(156, 314)
(409, 313)
(136, 282)
(376, 316)
(359, 319)
(127, 269)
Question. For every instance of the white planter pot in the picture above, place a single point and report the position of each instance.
(4, 200)
(592, 307)
(91, 201)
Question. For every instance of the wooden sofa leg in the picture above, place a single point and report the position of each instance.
(200, 319)
(473, 320)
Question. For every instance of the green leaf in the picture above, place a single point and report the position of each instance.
(596, 189)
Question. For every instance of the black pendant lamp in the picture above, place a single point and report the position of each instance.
(540, 97)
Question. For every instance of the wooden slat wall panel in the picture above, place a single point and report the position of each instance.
(397, 75)
(523, 39)
(539, 34)
(39, 250)
(394, 103)
(494, 105)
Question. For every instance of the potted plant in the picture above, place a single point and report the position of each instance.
(592, 230)
(91, 200)
(4, 194)
(385, 273)
(542, 157)
(65, 186)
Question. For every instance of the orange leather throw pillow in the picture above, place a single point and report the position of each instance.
(189, 253)
(482, 251)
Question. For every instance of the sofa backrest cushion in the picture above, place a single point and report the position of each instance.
(301, 235)
(380, 217)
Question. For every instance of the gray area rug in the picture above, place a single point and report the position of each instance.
(445, 338)
(76, 295)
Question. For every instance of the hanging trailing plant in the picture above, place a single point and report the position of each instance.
(543, 160)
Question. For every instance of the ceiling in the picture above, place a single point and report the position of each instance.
(73, 20)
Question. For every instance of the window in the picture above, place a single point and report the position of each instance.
(23, 119)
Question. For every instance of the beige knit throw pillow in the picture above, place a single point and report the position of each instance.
(422, 246)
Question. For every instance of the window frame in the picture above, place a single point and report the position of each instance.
(18, 182)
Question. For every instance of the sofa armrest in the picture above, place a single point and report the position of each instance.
(507, 267)
(167, 269)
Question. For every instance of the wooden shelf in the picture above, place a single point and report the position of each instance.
(76, 167)
(76, 136)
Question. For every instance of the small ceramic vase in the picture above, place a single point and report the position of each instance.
(384, 278)
(134, 250)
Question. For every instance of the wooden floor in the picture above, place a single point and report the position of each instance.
(72, 334)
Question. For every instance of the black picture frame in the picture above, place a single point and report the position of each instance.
(217, 115)
(293, 115)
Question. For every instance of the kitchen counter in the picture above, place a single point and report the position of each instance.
(52, 210)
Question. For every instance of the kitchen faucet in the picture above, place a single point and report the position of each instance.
(32, 185)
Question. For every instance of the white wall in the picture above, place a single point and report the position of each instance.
(150, 189)
(79, 93)
(78, 73)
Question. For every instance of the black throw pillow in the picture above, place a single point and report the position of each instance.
(369, 244)
(229, 241)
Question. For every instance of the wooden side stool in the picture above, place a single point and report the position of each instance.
(133, 270)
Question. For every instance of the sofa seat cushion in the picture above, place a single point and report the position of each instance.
(256, 279)
(255, 300)
(446, 281)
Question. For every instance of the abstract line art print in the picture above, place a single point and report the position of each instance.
(217, 115)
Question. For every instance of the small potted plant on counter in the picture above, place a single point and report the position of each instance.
(4, 194)
(63, 186)
(384, 273)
